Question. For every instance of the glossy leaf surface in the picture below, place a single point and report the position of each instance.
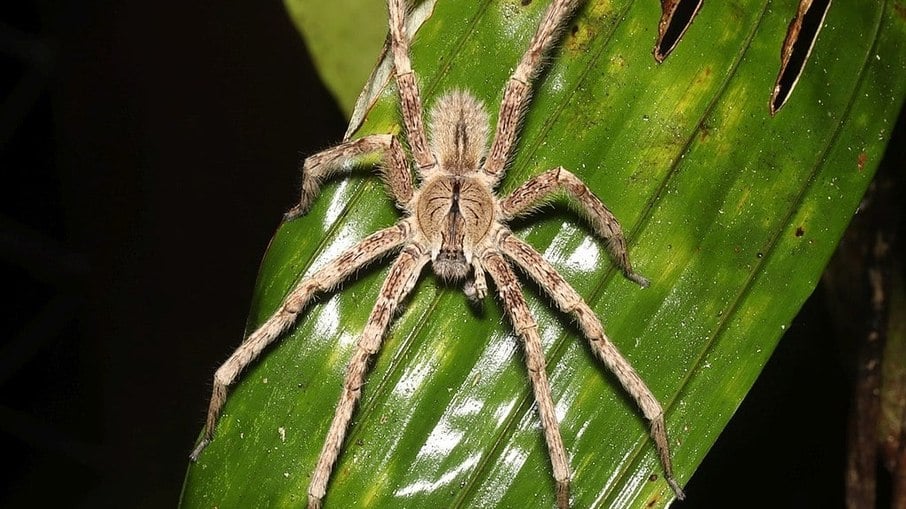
(732, 214)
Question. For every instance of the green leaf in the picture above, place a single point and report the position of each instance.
(731, 213)
(342, 38)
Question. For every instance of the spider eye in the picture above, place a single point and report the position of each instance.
(481, 161)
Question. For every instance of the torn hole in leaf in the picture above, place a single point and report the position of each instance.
(676, 16)
(797, 46)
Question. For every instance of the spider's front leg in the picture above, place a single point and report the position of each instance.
(511, 294)
(476, 288)
(606, 226)
(325, 279)
(569, 301)
(402, 277)
(318, 167)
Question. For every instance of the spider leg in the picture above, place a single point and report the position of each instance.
(318, 167)
(476, 288)
(511, 294)
(402, 277)
(569, 301)
(325, 279)
(519, 87)
(410, 101)
(606, 226)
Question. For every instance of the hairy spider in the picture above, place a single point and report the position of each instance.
(454, 220)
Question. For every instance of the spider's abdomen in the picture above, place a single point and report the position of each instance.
(459, 132)
(454, 214)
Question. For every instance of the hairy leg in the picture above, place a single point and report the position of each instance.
(569, 301)
(511, 294)
(606, 226)
(410, 102)
(519, 87)
(402, 277)
(318, 167)
(476, 287)
(325, 279)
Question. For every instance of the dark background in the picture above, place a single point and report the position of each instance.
(148, 151)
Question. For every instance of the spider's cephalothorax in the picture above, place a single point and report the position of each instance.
(455, 221)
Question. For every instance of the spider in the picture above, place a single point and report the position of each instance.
(454, 221)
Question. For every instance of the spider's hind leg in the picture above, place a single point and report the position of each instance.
(318, 167)
(518, 89)
(410, 99)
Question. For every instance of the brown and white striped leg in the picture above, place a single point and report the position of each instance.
(569, 301)
(524, 323)
(318, 167)
(519, 87)
(325, 279)
(606, 226)
(410, 102)
(402, 277)
(476, 287)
